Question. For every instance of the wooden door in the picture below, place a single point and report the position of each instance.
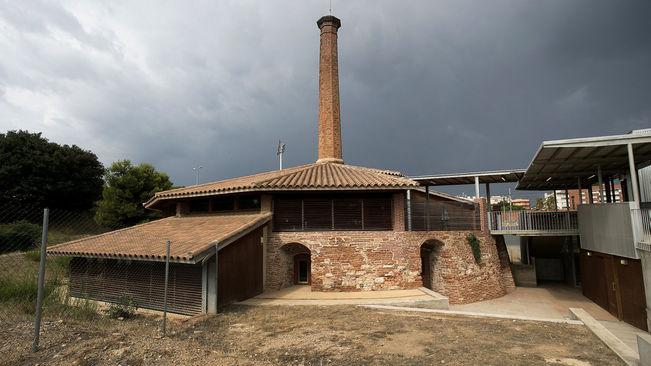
(631, 291)
(616, 284)
(609, 273)
(302, 269)
(426, 267)
(240, 269)
(593, 280)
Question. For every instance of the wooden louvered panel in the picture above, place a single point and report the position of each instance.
(347, 214)
(378, 214)
(287, 214)
(444, 216)
(333, 212)
(142, 282)
(317, 214)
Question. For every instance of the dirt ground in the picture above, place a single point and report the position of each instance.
(342, 335)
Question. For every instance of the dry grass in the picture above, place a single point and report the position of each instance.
(343, 335)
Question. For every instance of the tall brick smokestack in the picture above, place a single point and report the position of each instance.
(329, 120)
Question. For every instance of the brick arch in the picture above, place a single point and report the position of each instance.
(431, 265)
(289, 253)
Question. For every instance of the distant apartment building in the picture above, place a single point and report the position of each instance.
(574, 197)
(496, 201)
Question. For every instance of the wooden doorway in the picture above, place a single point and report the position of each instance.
(302, 269)
(616, 284)
(429, 270)
(426, 266)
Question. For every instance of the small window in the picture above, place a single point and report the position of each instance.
(249, 203)
(223, 204)
(199, 206)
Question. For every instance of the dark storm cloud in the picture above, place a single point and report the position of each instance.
(427, 87)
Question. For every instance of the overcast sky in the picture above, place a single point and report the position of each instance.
(427, 87)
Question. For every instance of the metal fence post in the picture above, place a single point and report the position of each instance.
(167, 272)
(41, 281)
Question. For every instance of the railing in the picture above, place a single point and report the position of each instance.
(534, 222)
(442, 216)
(641, 222)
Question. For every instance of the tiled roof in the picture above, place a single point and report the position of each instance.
(315, 176)
(189, 237)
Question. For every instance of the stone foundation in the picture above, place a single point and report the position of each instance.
(388, 260)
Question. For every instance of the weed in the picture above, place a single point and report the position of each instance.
(124, 308)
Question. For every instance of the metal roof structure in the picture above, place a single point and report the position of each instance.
(495, 176)
(560, 164)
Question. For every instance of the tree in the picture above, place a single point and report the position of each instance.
(39, 173)
(126, 188)
(508, 206)
(547, 203)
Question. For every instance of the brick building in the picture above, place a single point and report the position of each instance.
(328, 225)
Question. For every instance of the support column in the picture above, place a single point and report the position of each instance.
(601, 184)
(427, 207)
(409, 210)
(613, 194)
(265, 240)
(608, 191)
(567, 200)
(488, 197)
(633, 172)
(476, 187)
(590, 199)
(578, 185)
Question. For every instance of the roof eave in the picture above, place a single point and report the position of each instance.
(156, 199)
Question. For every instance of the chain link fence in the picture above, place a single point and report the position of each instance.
(89, 286)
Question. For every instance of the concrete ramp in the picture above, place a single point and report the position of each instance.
(433, 300)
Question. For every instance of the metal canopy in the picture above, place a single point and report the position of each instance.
(560, 164)
(496, 176)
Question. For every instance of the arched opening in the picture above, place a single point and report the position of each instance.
(430, 267)
(298, 264)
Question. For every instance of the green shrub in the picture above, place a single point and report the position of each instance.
(474, 245)
(124, 308)
(22, 289)
(33, 255)
(20, 235)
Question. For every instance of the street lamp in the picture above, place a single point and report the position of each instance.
(196, 170)
(280, 151)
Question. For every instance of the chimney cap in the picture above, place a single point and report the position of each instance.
(333, 20)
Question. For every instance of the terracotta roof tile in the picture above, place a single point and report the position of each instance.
(190, 237)
(306, 177)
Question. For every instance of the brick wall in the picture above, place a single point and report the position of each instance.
(386, 260)
(399, 211)
(329, 116)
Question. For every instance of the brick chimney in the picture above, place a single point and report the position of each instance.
(329, 120)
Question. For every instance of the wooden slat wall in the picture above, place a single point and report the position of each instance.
(110, 280)
(240, 269)
(332, 212)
